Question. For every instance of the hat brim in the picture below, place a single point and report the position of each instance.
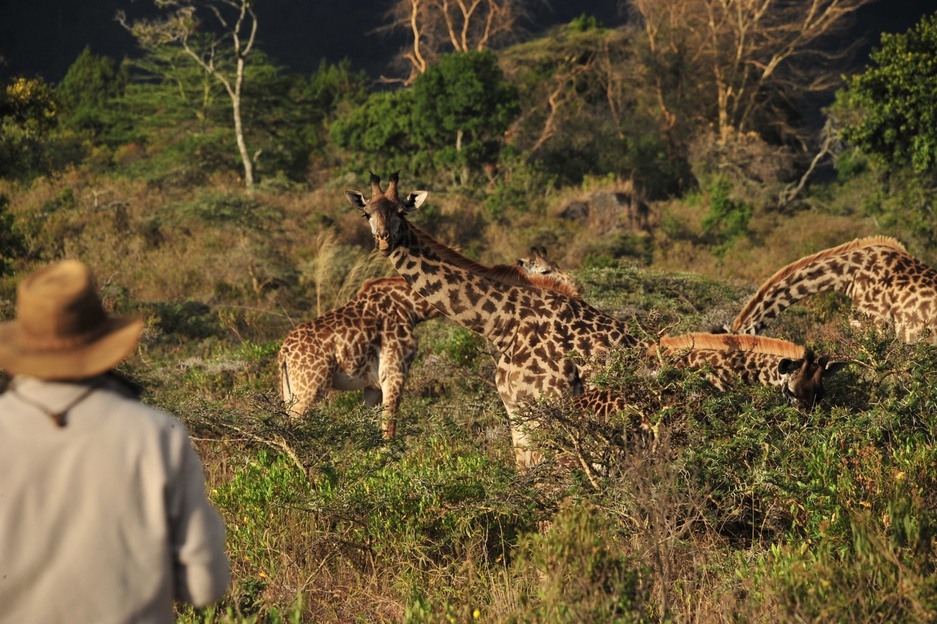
(92, 358)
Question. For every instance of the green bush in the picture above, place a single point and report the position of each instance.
(727, 219)
(12, 242)
(584, 577)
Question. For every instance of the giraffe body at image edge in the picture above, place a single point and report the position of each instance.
(534, 330)
(880, 277)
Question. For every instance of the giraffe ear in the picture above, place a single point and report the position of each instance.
(415, 200)
(356, 199)
(834, 367)
(787, 366)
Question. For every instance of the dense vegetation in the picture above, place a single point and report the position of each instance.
(598, 145)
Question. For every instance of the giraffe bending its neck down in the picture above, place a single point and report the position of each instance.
(533, 329)
(367, 344)
(755, 359)
(877, 273)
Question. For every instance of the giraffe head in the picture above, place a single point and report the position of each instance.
(802, 379)
(539, 264)
(385, 211)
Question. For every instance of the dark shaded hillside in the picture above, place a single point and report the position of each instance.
(44, 37)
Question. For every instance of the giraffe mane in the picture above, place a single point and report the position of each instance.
(732, 342)
(509, 274)
(793, 267)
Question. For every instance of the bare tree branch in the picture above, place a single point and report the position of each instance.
(177, 29)
(435, 27)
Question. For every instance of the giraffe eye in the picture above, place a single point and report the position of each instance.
(365, 215)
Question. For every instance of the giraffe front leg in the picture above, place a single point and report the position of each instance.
(374, 397)
(392, 378)
(524, 454)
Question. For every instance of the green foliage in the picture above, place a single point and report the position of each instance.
(728, 218)
(894, 102)
(89, 90)
(461, 346)
(453, 119)
(12, 242)
(252, 498)
(28, 115)
(520, 186)
(584, 577)
(850, 164)
(186, 320)
(286, 116)
(624, 245)
(884, 572)
(180, 118)
(379, 131)
(903, 204)
(290, 115)
(228, 209)
(585, 22)
(462, 106)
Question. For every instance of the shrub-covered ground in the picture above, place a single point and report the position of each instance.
(736, 508)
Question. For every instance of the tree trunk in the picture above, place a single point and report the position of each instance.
(239, 128)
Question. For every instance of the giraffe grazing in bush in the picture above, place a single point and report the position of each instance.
(755, 359)
(539, 264)
(532, 329)
(877, 273)
(367, 344)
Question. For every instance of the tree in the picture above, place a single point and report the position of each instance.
(452, 118)
(28, 115)
(12, 242)
(88, 91)
(183, 28)
(740, 65)
(461, 107)
(434, 27)
(891, 108)
(580, 112)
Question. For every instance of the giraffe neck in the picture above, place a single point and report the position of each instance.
(798, 280)
(385, 293)
(496, 306)
(467, 298)
(754, 358)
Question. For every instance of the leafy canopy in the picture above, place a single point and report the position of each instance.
(893, 104)
(453, 117)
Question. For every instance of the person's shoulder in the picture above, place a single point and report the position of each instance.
(126, 400)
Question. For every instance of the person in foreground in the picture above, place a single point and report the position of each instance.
(103, 513)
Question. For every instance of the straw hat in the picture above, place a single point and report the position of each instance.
(61, 330)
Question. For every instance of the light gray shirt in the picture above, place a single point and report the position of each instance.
(104, 519)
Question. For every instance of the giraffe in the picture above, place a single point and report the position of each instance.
(533, 330)
(755, 359)
(353, 347)
(539, 264)
(367, 344)
(877, 273)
